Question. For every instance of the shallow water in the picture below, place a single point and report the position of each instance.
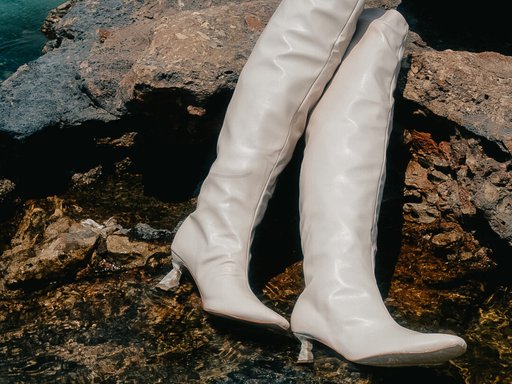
(116, 327)
(20, 38)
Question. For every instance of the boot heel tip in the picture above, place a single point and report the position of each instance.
(172, 279)
(306, 350)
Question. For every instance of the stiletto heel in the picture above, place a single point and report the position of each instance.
(306, 350)
(172, 279)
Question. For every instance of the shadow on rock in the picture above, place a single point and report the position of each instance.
(460, 25)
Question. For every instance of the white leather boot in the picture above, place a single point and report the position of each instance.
(341, 185)
(294, 58)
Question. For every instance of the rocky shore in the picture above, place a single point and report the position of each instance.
(103, 143)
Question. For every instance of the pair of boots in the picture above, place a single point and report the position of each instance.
(285, 83)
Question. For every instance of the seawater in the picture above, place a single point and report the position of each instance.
(20, 37)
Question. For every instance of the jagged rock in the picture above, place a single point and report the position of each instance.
(127, 140)
(48, 92)
(65, 249)
(87, 178)
(91, 34)
(469, 89)
(54, 17)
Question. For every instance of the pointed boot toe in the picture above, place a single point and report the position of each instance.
(244, 306)
(420, 349)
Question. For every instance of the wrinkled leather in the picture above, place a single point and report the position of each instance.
(340, 191)
(294, 58)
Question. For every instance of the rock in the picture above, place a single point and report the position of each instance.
(83, 179)
(123, 253)
(446, 239)
(108, 227)
(57, 258)
(54, 17)
(127, 140)
(469, 89)
(141, 37)
(217, 41)
(456, 108)
(48, 92)
(144, 232)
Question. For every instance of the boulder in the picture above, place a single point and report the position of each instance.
(469, 89)
(56, 254)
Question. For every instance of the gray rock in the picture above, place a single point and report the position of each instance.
(48, 92)
(144, 232)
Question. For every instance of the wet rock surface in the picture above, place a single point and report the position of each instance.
(126, 105)
(104, 320)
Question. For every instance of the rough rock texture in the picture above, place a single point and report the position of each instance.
(470, 89)
(220, 38)
(56, 259)
(458, 186)
(145, 233)
(48, 92)
(6, 189)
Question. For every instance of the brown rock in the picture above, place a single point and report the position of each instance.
(469, 89)
(446, 239)
(254, 23)
(55, 258)
(104, 34)
(198, 52)
(126, 254)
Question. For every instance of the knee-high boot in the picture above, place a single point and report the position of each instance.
(341, 185)
(294, 58)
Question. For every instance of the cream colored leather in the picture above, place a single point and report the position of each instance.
(294, 58)
(340, 191)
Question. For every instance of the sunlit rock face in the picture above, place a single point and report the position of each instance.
(121, 115)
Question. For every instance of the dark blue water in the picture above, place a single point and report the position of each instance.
(20, 38)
